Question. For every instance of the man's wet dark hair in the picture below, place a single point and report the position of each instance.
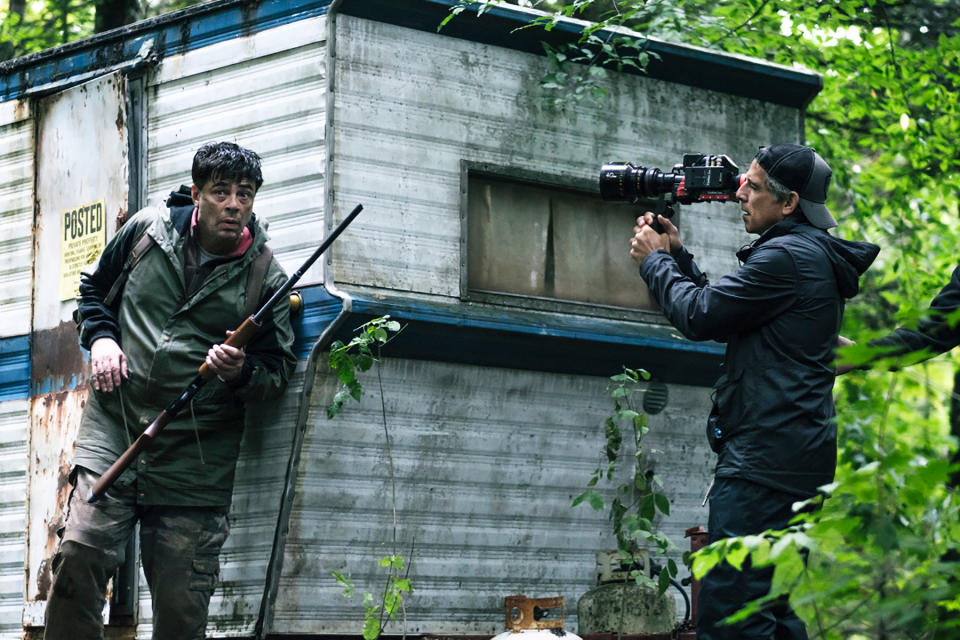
(225, 161)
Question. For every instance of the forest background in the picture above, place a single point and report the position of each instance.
(881, 554)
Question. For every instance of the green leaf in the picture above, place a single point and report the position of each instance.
(371, 628)
(345, 582)
(592, 496)
(736, 554)
(663, 582)
(663, 504)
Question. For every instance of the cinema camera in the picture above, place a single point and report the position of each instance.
(700, 178)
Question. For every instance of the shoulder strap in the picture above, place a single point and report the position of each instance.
(139, 249)
(255, 278)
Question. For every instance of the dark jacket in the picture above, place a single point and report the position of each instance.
(779, 314)
(165, 331)
(935, 334)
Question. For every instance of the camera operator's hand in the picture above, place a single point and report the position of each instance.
(645, 240)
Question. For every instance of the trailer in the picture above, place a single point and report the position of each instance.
(482, 233)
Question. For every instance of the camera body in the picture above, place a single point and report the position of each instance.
(700, 178)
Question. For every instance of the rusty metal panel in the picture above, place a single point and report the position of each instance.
(487, 462)
(76, 164)
(266, 92)
(16, 216)
(54, 417)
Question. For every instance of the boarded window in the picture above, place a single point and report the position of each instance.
(534, 241)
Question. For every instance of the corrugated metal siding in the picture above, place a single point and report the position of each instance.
(16, 217)
(16, 253)
(487, 462)
(265, 92)
(14, 418)
(407, 114)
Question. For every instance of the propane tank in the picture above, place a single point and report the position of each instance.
(527, 619)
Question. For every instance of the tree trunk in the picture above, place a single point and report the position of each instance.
(18, 7)
(115, 13)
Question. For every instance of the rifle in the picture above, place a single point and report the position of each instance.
(238, 339)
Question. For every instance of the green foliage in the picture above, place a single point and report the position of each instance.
(637, 501)
(877, 559)
(358, 356)
(44, 25)
(40, 25)
(389, 604)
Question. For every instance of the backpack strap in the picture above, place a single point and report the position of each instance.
(255, 276)
(255, 279)
(139, 249)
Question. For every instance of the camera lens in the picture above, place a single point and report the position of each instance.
(618, 182)
(626, 183)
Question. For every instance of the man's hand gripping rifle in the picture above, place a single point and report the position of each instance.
(700, 178)
(238, 339)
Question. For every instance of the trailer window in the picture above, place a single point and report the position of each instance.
(536, 241)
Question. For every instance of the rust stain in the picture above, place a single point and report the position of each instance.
(44, 579)
(22, 110)
(54, 423)
(57, 357)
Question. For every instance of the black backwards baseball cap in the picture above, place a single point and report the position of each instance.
(801, 169)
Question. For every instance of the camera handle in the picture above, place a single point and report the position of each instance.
(666, 213)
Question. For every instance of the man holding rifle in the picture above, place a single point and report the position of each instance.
(772, 423)
(171, 283)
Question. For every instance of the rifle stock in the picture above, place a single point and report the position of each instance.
(239, 338)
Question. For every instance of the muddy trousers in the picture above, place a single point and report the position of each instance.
(179, 552)
(739, 508)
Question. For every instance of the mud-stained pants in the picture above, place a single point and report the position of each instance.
(179, 552)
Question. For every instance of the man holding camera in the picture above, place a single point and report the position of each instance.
(773, 421)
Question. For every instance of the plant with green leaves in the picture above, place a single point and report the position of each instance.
(358, 356)
(636, 501)
(348, 360)
(392, 598)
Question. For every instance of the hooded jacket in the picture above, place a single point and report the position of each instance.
(779, 314)
(165, 331)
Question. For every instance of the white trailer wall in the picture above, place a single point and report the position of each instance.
(410, 105)
(487, 460)
(16, 251)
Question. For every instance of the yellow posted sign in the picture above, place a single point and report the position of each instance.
(83, 235)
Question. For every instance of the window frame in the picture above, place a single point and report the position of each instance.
(556, 182)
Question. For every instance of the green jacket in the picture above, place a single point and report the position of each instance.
(165, 334)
